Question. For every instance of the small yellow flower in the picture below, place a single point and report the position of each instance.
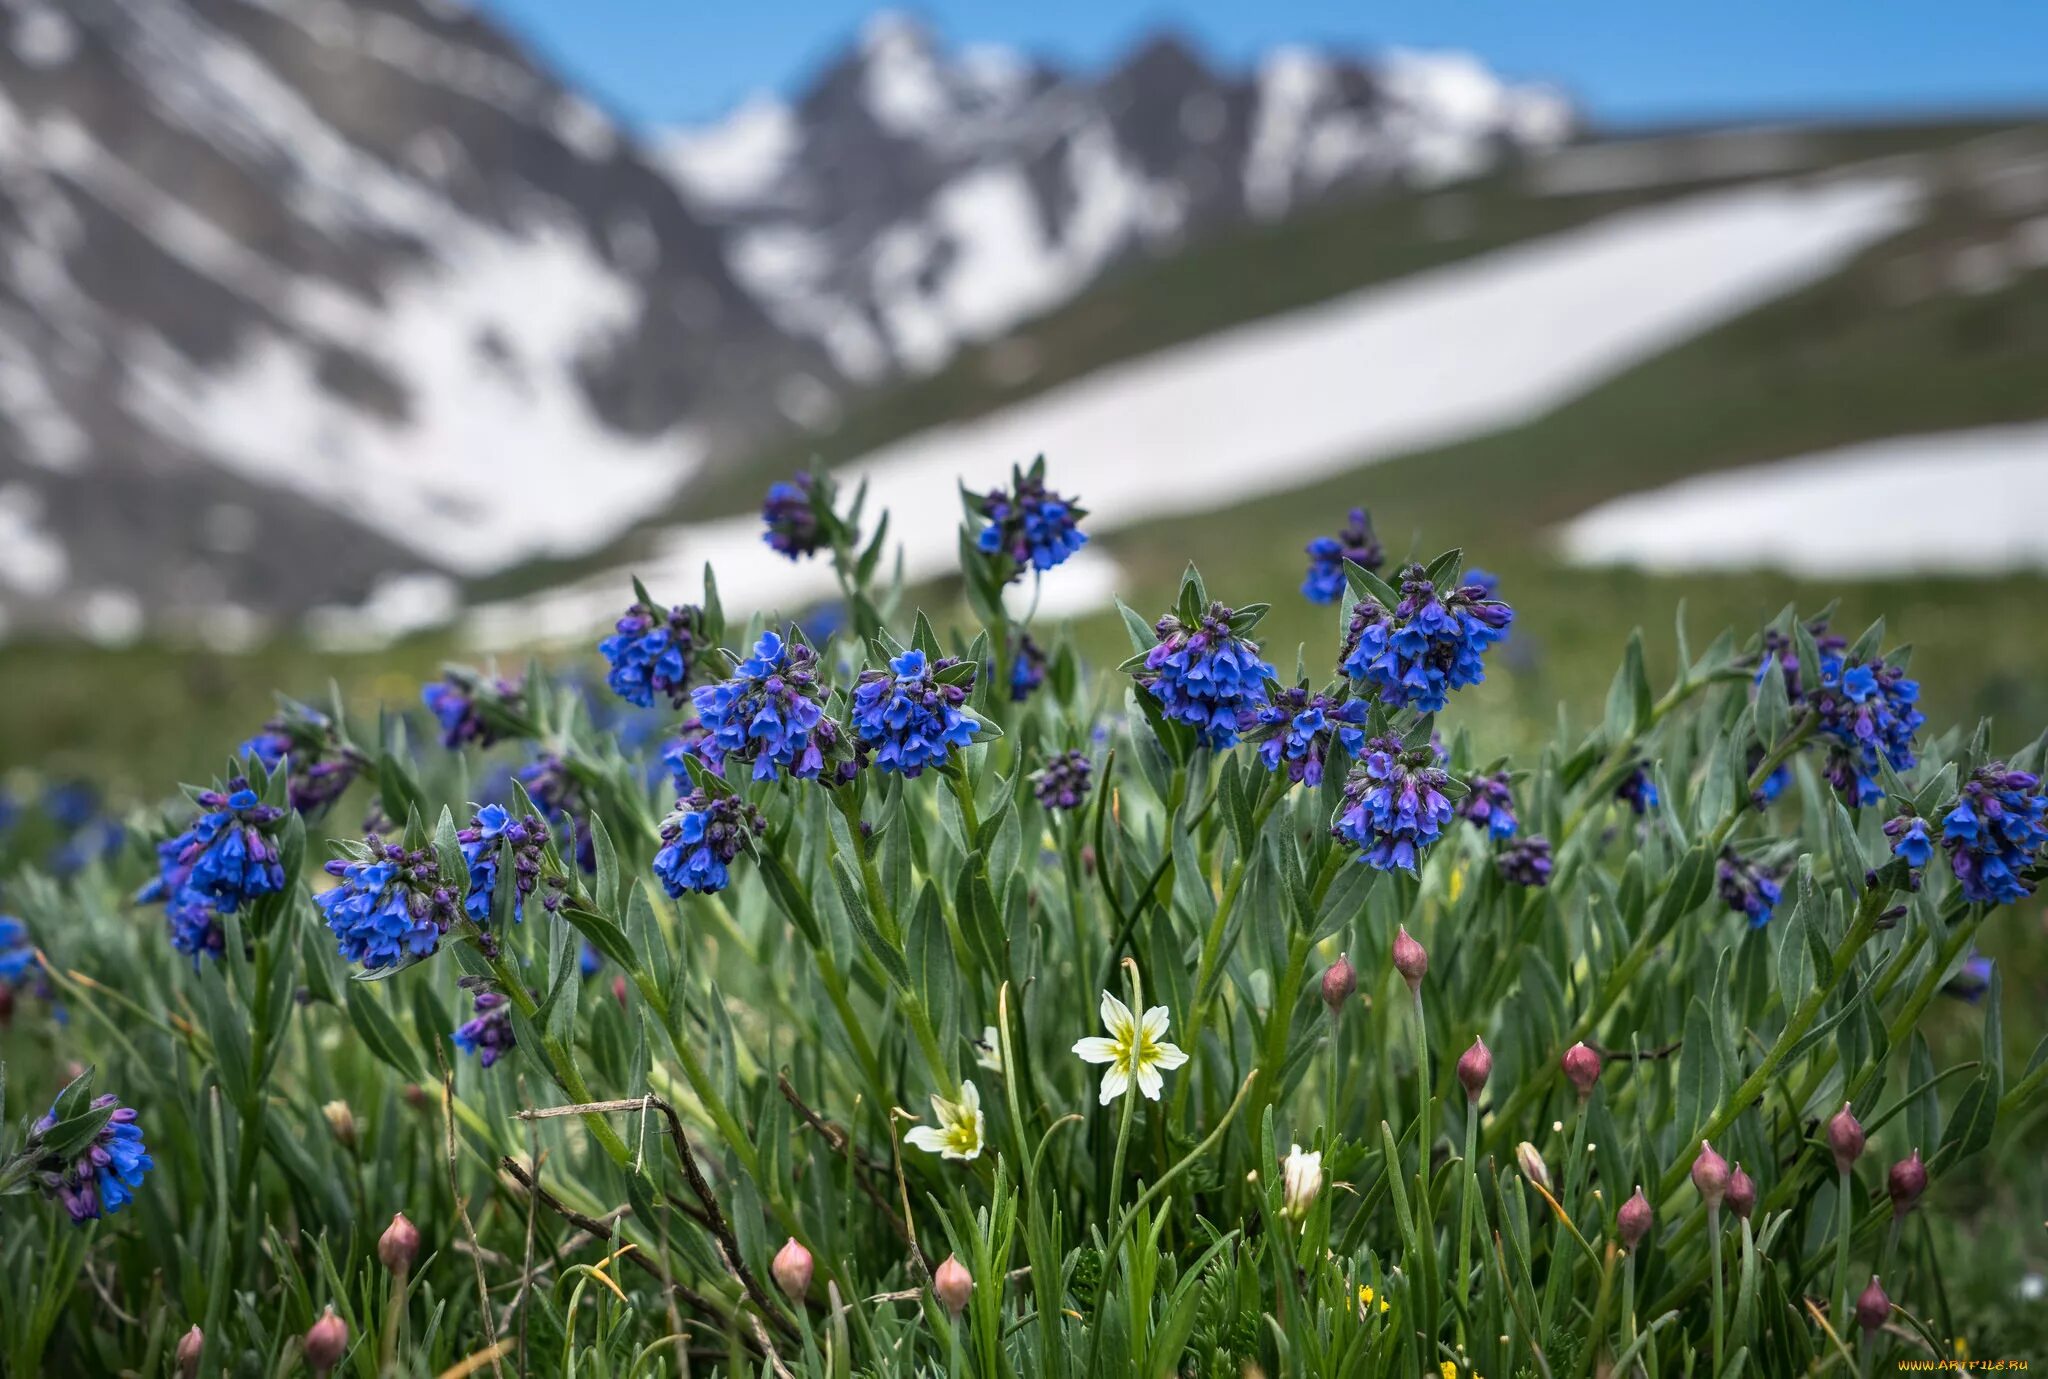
(960, 1127)
(1448, 1370)
(1136, 1050)
(1365, 1297)
(1457, 888)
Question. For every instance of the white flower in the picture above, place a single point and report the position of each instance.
(1301, 1179)
(1134, 1049)
(988, 1050)
(959, 1131)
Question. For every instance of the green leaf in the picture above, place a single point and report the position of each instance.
(851, 896)
(607, 865)
(1773, 709)
(1969, 1124)
(380, 1033)
(605, 935)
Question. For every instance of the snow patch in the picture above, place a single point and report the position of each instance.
(43, 37)
(1957, 502)
(32, 561)
(901, 82)
(398, 606)
(736, 161)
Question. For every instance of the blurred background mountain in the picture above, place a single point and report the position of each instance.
(332, 325)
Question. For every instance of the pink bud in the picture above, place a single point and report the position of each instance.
(1906, 1181)
(792, 1269)
(619, 990)
(1710, 1176)
(1410, 960)
(1845, 1138)
(1741, 1193)
(1634, 1220)
(1873, 1308)
(189, 1346)
(1582, 1069)
(1340, 979)
(399, 1246)
(1475, 1065)
(953, 1284)
(326, 1341)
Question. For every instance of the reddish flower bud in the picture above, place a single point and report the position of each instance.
(1845, 1138)
(416, 1096)
(1340, 979)
(1475, 1065)
(1741, 1193)
(952, 1284)
(1873, 1308)
(1582, 1069)
(1532, 1165)
(399, 1246)
(1410, 960)
(619, 990)
(1906, 1181)
(189, 1346)
(792, 1269)
(1710, 1176)
(326, 1341)
(1634, 1220)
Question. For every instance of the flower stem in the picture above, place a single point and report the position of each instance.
(1714, 1253)
(1844, 1227)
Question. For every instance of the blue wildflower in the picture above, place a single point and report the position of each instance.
(1910, 839)
(1027, 669)
(196, 928)
(589, 962)
(321, 764)
(1206, 673)
(791, 515)
(1638, 790)
(522, 838)
(17, 953)
(1971, 980)
(1356, 543)
(1062, 783)
(683, 747)
(1426, 645)
(1029, 524)
(101, 1178)
(1783, 648)
(1394, 804)
(487, 1033)
(1485, 581)
(1748, 887)
(470, 709)
(1526, 861)
(551, 783)
(1866, 711)
(1995, 832)
(1490, 804)
(1298, 731)
(700, 839)
(771, 713)
(71, 805)
(651, 653)
(909, 715)
(227, 856)
(391, 907)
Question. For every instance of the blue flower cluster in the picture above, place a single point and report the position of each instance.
(523, 839)
(1427, 645)
(466, 708)
(196, 928)
(1327, 554)
(1394, 804)
(1866, 711)
(1910, 839)
(909, 716)
(553, 787)
(322, 765)
(1062, 783)
(1027, 669)
(1490, 805)
(793, 526)
(227, 858)
(1297, 731)
(1638, 790)
(1971, 980)
(768, 713)
(1029, 523)
(102, 1177)
(1206, 674)
(487, 1033)
(686, 745)
(651, 652)
(1526, 861)
(700, 839)
(391, 906)
(1995, 832)
(1748, 887)
(17, 953)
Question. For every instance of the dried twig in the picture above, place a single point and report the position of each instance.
(483, 1289)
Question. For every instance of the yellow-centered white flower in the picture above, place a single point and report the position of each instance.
(1135, 1050)
(1301, 1181)
(960, 1128)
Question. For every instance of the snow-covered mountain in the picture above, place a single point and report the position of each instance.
(307, 302)
(914, 197)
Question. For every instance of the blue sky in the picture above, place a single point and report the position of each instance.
(678, 61)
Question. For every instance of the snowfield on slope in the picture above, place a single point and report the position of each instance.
(1434, 358)
(1962, 502)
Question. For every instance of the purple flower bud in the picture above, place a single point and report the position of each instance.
(1873, 1308)
(792, 1269)
(1340, 979)
(1906, 1181)
(1634, 1220)
(1532, 1165)
(326, 1341)
(399, 1246)
(1410, 960)
(1475, 1065)
(1845, 1138)
(1582, 1069)
(1741, 1193)
(953, 1285)
(189, 1346)
(1710, 1176)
